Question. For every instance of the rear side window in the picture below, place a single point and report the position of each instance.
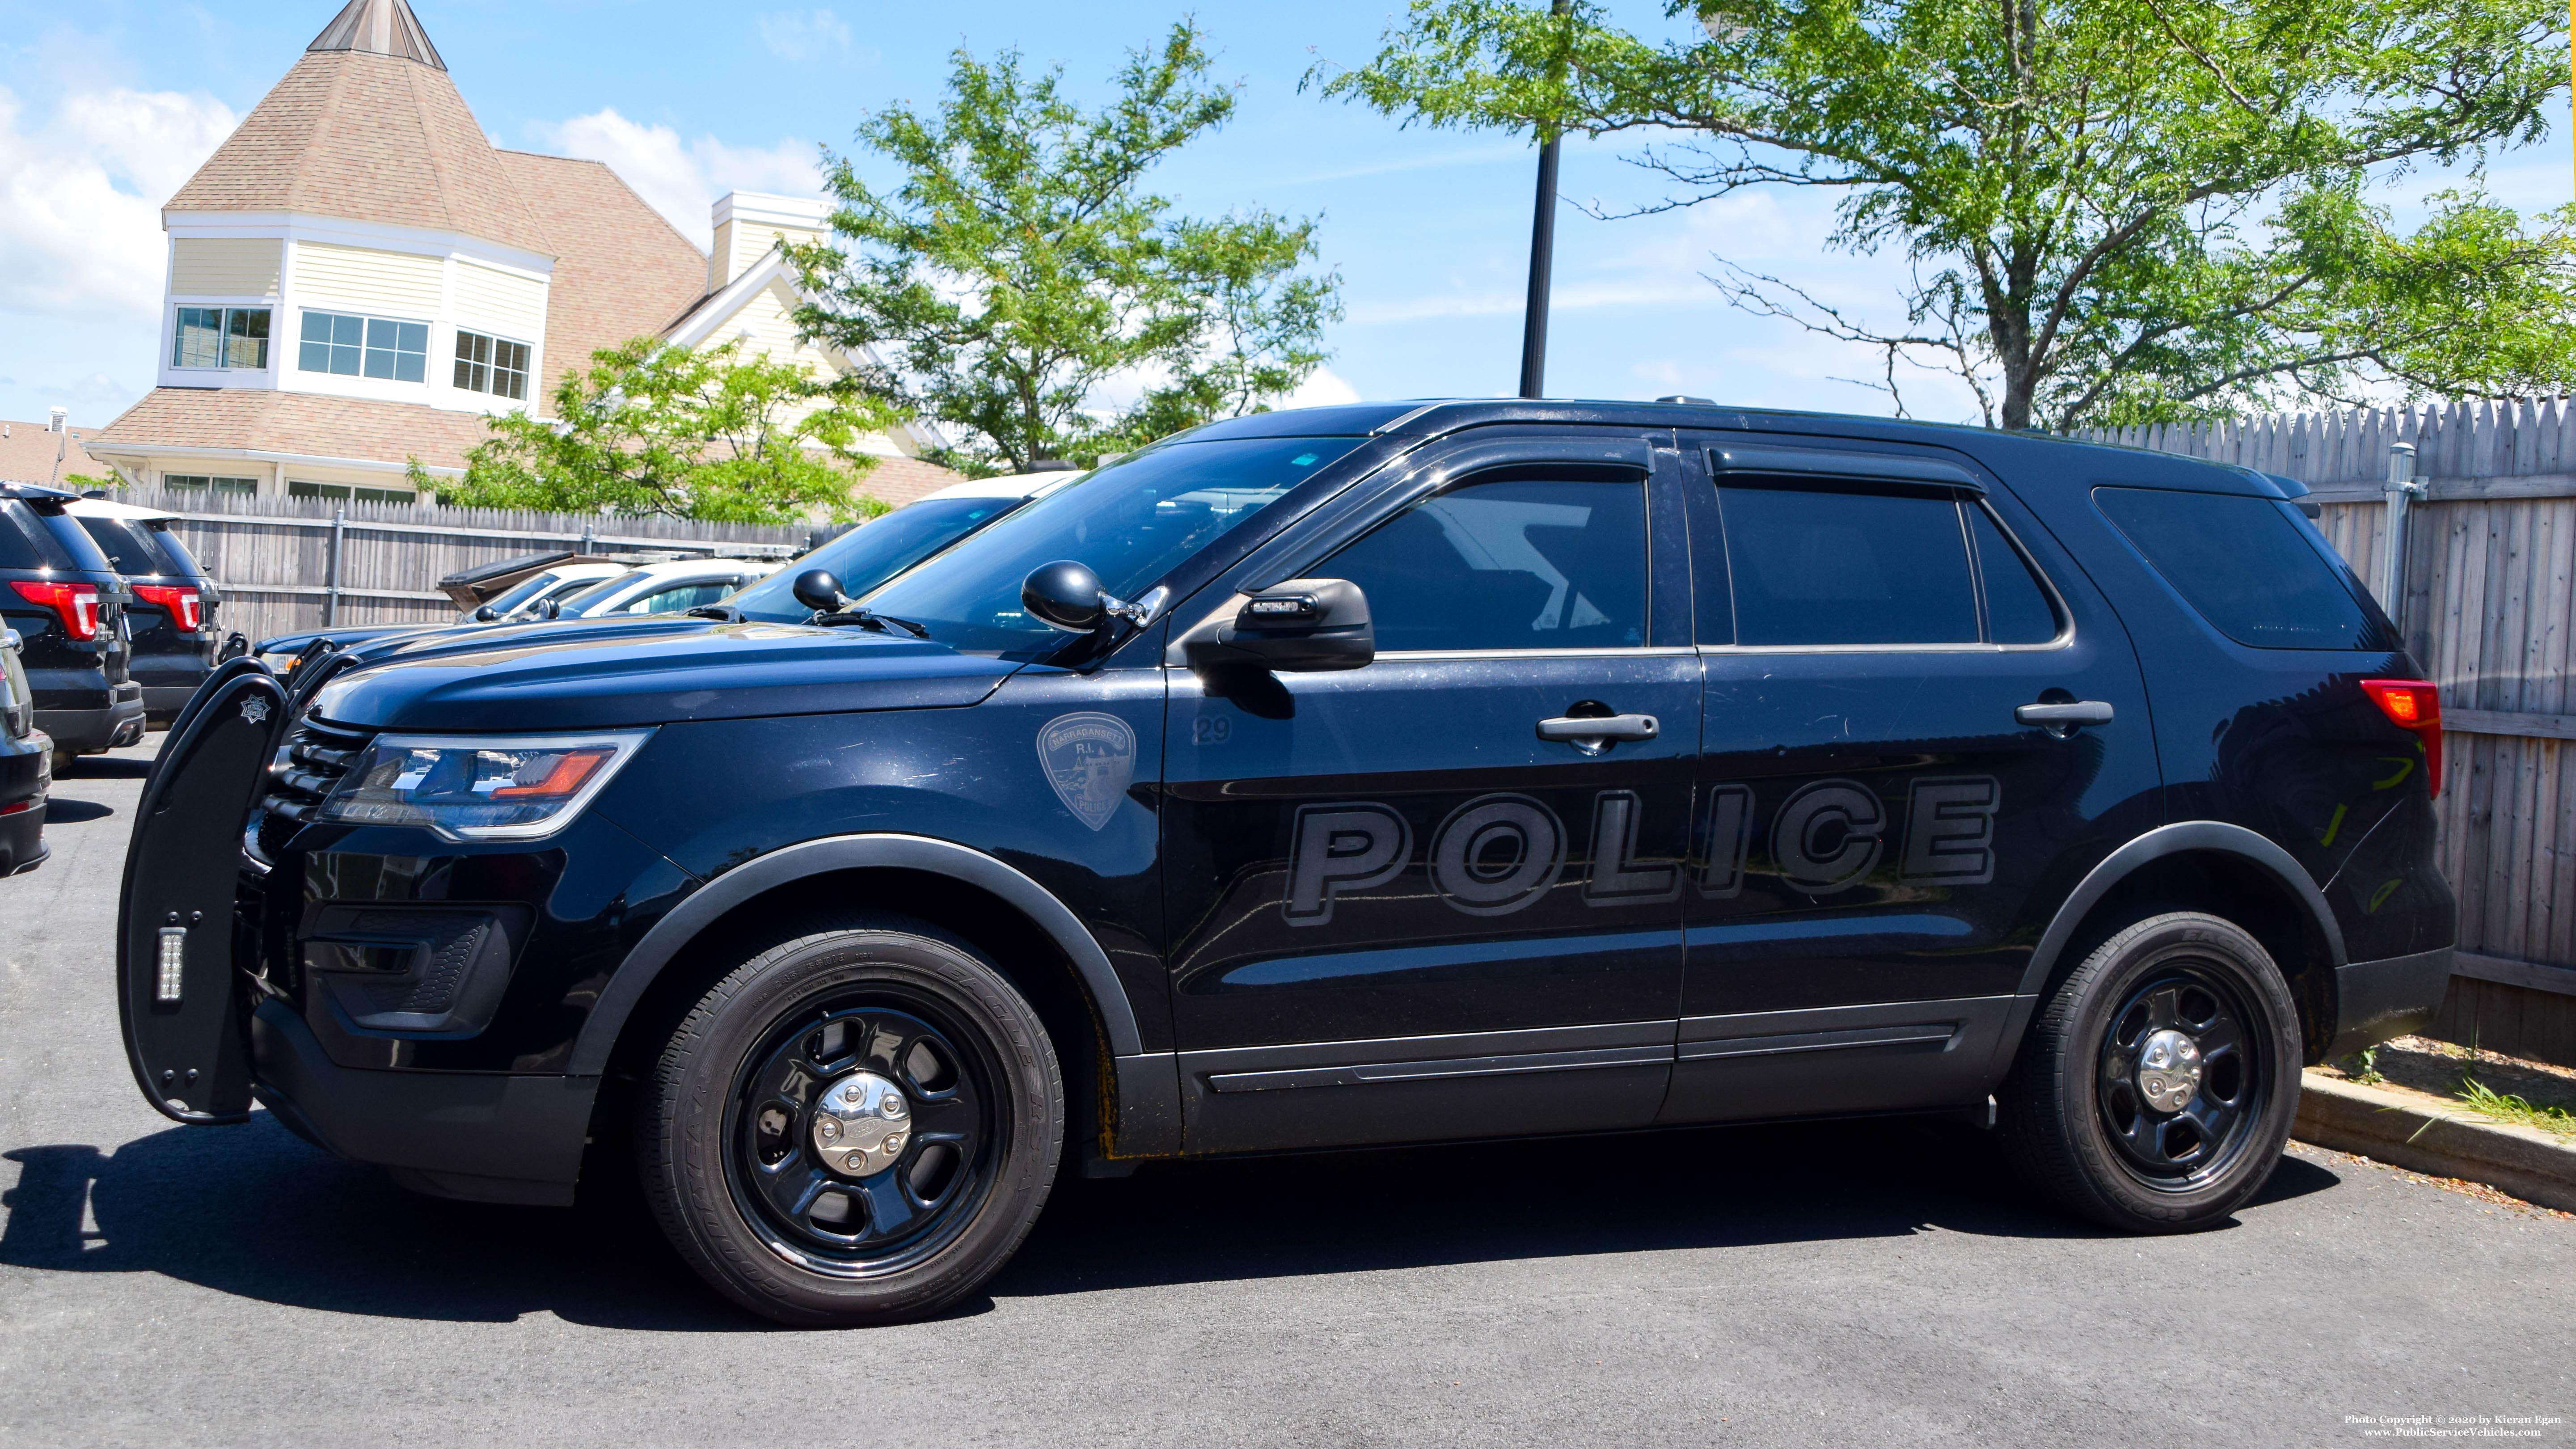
(2017, 608)
(2247, 565)
(1816, 567)
(1524, 564)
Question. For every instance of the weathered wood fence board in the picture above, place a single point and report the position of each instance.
(2490, 612)
(273, 556)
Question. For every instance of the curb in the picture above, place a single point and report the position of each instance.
(2382, 1125)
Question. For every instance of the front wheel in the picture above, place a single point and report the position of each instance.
(2156, 1088)
(857, 1126)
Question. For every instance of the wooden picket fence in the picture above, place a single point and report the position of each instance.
(2488, 604)
(289, 564)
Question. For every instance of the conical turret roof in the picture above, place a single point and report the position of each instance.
(379, 27)
(368, 127)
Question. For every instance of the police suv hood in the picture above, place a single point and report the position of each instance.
(607, 674)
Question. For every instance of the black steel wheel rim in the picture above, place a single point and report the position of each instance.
(2179, 1151)
(828, 1220)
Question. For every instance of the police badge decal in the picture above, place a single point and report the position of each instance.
(1089, 758)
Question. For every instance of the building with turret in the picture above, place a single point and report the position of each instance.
(358, 277)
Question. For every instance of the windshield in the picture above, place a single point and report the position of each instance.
(1132, 522)
(595, 590)
(867, 556)
(512, 597)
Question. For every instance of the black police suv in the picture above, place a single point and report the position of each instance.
(1366, 774)
(68, 603)
(26, 766)
(172, 616)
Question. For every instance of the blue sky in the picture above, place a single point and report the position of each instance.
(105, 108)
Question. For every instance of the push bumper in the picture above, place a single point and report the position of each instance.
(2376, 1000)
(484, 1137)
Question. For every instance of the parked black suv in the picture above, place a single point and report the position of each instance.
(68, 602)
(26, 766)
(172, 618)
(1368, 774)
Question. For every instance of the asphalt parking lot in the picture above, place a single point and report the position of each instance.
(1848, 1282)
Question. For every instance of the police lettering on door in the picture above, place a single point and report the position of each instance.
(1499, 853)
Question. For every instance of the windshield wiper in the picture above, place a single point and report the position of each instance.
(870, 620)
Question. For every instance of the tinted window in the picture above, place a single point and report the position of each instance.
(130, 547)
(2017, 608)
(2249, 565)
(167, 540)
(1132, 522)
(865, 557)
(686, 596)
(1516, 565)
(56, 541)
(1817, 567)
(17, 549)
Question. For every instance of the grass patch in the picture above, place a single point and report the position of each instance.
(2505, 1107)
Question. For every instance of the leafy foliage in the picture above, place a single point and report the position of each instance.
(2116, 210)
(1020, 267)
(652, 427)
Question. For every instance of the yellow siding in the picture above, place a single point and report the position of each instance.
(402, 284)
(500, 303)
(225, 266)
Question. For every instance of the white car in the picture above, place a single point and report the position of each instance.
(667, 587)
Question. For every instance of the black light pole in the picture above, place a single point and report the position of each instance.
(1543, 257)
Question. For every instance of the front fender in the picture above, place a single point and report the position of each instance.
(709, 903)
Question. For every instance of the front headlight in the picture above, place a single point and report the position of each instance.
(469, 788)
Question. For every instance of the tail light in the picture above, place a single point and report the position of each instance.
(180, 599)
(76, 603)
(2414, 705)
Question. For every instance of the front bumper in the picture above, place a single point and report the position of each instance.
(2376, 1000)
(481, 1136)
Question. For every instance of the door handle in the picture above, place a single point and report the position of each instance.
(1593, 735)
(2062, 719)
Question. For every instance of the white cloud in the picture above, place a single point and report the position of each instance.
(1322, 388)
(83, 190)
(796, 34)
(682, 179)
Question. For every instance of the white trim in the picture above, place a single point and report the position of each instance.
(765, 208)
(145, 452)
(307, 226)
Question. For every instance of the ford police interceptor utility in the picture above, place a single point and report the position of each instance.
(1366, 774)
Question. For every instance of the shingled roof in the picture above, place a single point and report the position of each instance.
(175, 419)
(368, 126)
(620, 269)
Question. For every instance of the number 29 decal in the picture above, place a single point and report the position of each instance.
(1497, 854)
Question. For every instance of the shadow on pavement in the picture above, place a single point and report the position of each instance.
(105, 767)
(253, 1211)
(59, 811)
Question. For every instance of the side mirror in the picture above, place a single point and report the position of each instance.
(1301, 626)
(1066, 595)
(486, 614)
(549, 609)
(819, 590)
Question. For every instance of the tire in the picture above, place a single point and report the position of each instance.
(950, 1120)
(2085, 1115)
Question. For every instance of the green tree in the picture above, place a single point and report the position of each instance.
(1019, 268)
(2114, 210)
(652, 427)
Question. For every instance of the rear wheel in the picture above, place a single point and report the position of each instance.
(857, 1126)
(2156, 1088)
